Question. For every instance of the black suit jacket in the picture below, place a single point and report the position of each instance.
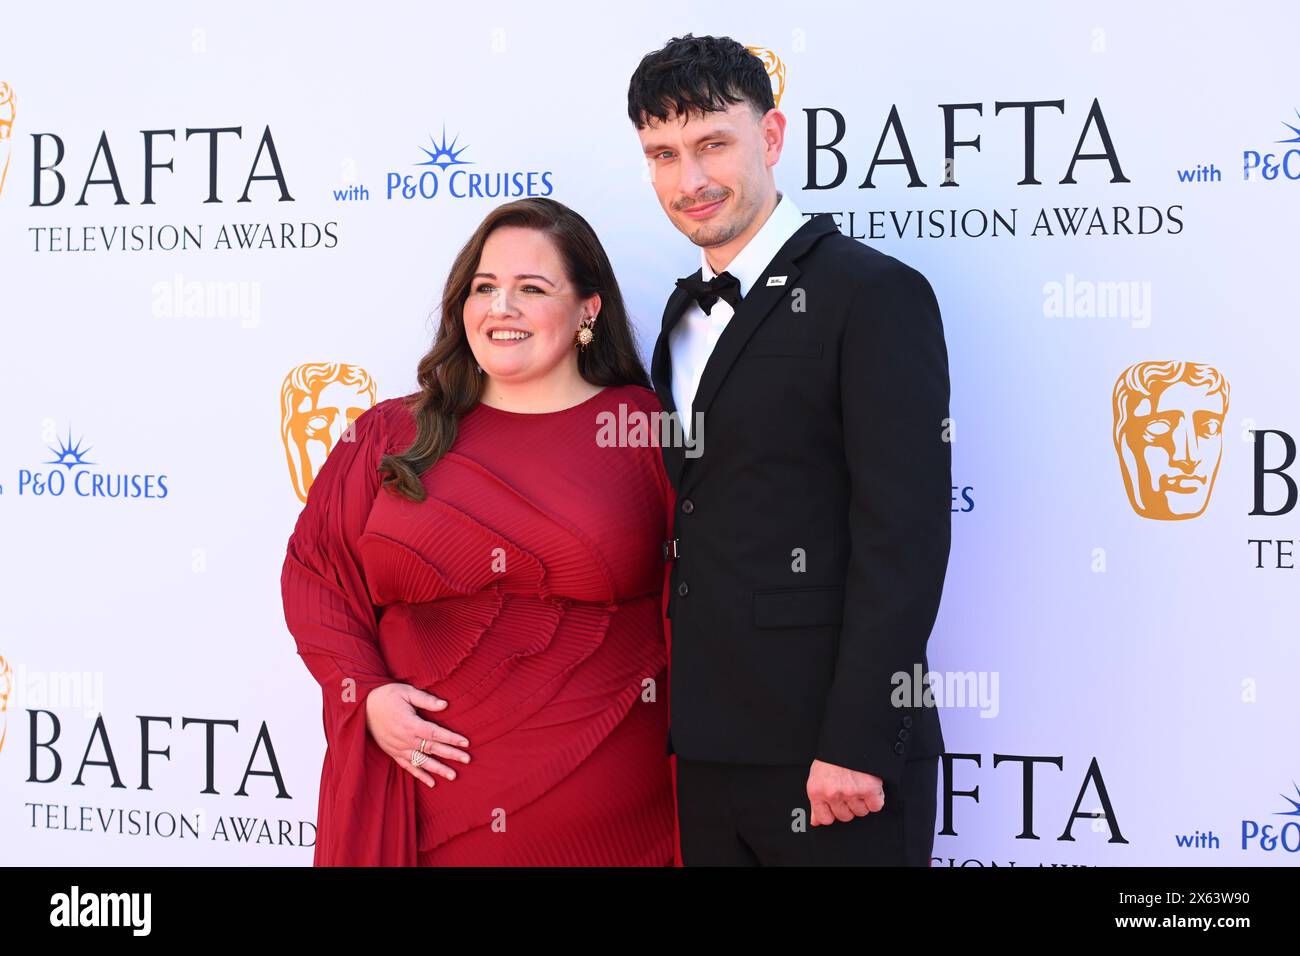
(813, 526)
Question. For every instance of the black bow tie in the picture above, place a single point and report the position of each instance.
(723, 285)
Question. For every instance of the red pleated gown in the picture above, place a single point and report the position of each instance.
(527, 591)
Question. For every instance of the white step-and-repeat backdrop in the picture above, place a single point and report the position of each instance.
(207, 211)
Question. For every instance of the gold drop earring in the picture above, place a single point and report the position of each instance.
(586, 332)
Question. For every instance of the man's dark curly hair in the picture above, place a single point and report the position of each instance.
(697, 75)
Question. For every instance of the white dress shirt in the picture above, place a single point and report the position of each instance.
(692, 339)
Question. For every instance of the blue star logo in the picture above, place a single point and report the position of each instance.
(1294, 129)
(68, 454)
(443, 154)
(1295, 804)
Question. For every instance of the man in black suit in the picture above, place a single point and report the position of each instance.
(813, 515)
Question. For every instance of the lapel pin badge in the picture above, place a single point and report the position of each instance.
(776, 280)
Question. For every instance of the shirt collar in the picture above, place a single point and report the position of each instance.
(749, 263)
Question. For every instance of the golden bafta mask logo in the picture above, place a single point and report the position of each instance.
(319, 402)
(8, 110)
(775, 70)
(1169, 436)
(6, 688)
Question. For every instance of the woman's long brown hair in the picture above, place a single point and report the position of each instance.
(450, 383)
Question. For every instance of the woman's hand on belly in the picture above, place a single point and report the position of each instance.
(395, 724)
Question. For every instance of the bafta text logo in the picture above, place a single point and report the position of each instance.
(775, 70)
(319, 402)
(8, 110)
(1169, 436)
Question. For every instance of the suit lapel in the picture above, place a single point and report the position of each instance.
(661, 373)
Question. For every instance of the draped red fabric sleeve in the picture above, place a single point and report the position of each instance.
(366, 812)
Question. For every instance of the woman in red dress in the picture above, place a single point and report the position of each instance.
(477, 579)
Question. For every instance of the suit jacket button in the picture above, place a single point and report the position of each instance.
(907, 721)
(682, 589)
(898, 747)
(902, 735)
(687, 506)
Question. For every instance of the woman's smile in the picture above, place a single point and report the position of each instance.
(500, 335)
